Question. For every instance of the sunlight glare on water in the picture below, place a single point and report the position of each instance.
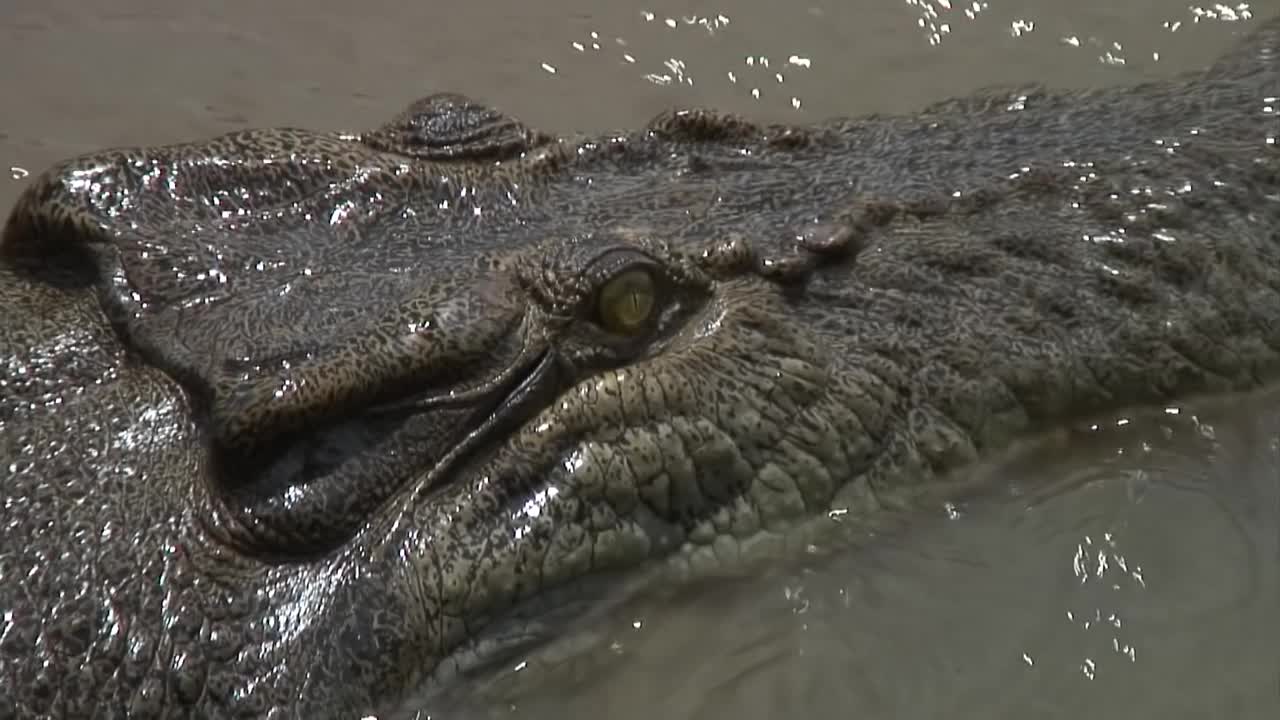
(758, 75)
(1134, 572)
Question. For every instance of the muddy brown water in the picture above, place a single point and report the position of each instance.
(1144, 587)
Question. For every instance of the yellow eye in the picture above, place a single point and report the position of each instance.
(626, 302)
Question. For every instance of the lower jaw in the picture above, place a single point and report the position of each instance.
(565, 631)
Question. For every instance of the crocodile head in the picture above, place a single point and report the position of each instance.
(320, 422)
(365, 396)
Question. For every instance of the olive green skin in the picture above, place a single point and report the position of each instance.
(309, 424)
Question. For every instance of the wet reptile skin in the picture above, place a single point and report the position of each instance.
(291, 421)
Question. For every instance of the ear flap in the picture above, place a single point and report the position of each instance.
(1253, 59)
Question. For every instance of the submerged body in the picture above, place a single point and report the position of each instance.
(311, 424)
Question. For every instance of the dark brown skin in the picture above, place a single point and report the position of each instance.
(300, 424)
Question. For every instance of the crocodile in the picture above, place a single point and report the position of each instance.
(318, 424)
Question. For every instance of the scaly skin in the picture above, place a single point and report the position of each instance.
(263, 445)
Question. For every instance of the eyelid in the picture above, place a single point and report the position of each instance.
(618, 261)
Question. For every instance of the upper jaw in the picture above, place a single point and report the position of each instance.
(521, 397)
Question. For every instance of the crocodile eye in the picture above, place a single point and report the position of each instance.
(626, 302)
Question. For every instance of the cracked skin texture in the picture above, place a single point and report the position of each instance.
(295, 423)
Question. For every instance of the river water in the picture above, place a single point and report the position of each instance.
(1136, 574)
